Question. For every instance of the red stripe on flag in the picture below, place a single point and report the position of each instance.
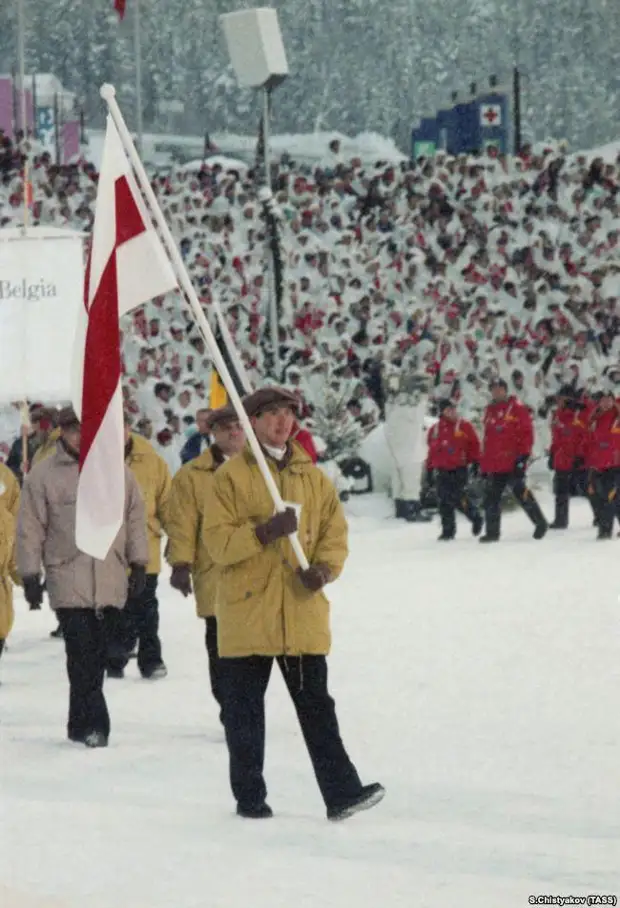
(102, 357)
(129, 223)
(119, 6)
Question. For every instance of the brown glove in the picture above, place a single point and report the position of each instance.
(181, 579)
(278, 526)
(314, 577)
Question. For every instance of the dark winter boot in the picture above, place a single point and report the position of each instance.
(369, 796)
(57, 633)
(415, 514)
(560, 521)
(1, 646)
(533, 511)
(476, 524)
(400, 510)
(257, 812)
(492, 520)
(95, 739)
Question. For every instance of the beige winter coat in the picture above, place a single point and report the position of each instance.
(46, 538)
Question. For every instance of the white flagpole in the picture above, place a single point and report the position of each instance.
(108, 94)
(137, 45)
(232, 350)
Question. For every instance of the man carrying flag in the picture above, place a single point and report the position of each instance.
(82, 517)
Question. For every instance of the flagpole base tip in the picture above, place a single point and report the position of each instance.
(107, 91)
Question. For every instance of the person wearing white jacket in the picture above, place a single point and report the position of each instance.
(406, 391)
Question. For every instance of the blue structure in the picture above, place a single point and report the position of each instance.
(494, 119)
(424, 138)
(466, 126)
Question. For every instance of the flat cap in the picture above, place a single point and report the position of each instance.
(222, 415)
(268, 397)
(67, 418)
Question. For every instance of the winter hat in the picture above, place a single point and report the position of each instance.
(260, 400)
(498, 383)
(67, 419)
(222, 415)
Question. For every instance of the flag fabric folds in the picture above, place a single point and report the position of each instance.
(119, 6)
(127, 266)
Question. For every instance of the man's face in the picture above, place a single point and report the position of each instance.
(229, 437)
(450, 414)
(72, 436)
(202, 423)
(498, 393)
(273, 426)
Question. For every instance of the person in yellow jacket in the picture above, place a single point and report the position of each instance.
(9, 491)
(267, 608)
(186, 551)
(8, 573)
(139, 622)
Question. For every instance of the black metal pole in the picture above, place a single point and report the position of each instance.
(516, 110)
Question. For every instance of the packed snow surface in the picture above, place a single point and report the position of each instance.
(480, 684)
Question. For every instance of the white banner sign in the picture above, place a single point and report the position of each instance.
(41, 290)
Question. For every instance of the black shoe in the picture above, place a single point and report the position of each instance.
(95, 739)
(399, 508)
(258, 812)
(558, 526)
(488, 538)
(115, 672)
(477, 524)
(541, 531)
(58, 634)
(367, 798)
(446, 537)
(76, 739)
(155, 672)
(604, 534)
(415, 514)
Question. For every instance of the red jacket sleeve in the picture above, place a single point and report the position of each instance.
(525, 441)
(473, 444)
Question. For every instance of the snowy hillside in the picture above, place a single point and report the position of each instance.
(480, 684)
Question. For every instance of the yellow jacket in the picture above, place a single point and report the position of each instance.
(9, 490)
(262, 608)
(185, 542)
(153, 477)
(47, 448)
(7, 571)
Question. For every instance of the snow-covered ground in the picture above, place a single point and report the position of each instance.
(480, 684)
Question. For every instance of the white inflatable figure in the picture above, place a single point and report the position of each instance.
(406, 392)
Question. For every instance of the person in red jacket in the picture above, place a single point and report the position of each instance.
(602, 455)
(453, 446)
(304, 438)
(569, 432)
(506, 449)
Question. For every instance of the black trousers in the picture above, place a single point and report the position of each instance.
(244, 683)
(605, 485)
(140, 623)
(563, 484)
(86, 634)
(495, 485)
(214, 662)
(451, 497)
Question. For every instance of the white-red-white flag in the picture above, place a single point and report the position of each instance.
(127, 267)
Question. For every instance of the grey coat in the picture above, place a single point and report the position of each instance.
(46, 538)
